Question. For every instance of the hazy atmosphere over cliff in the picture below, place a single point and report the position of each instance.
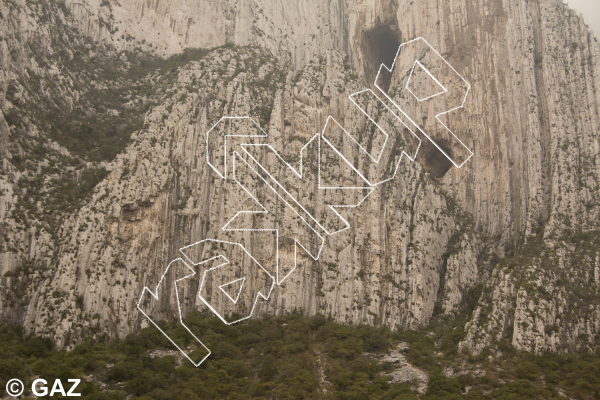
(591, 13)
(105, 107)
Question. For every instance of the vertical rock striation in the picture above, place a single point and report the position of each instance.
(530, 193)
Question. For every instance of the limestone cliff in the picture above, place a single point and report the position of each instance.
(426, 238)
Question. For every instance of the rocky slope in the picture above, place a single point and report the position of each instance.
(531, 119)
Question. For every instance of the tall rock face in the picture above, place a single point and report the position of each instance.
(295, 33)
(512, 54)
(528, 195)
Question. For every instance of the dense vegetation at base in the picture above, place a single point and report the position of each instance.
(285, 358)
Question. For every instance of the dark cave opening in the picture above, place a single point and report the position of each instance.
(433, 160)
(379, 46)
